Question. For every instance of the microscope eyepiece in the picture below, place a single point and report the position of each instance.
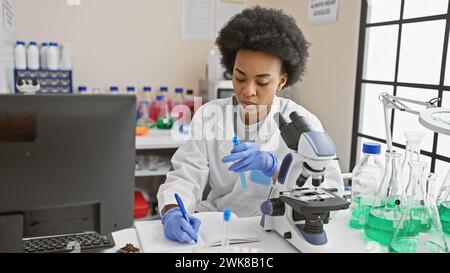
(300, 122)
(294, 116)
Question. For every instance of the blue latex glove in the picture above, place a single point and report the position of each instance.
(249, 157)
(177, 228)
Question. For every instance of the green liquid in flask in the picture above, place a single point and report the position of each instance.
(420, 218)
(380, 225)
(413, 245)
(444, 213)
(360, 211)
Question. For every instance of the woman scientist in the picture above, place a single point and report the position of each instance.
(265, 51)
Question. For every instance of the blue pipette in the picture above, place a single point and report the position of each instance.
(242, 175)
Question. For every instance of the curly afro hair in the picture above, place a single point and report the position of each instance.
(267, 30)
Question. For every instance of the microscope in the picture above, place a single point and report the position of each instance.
(296, 212)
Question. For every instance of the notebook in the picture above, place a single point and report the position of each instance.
(152, 238)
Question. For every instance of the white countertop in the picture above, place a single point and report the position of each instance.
(341, 238)
(161, 139)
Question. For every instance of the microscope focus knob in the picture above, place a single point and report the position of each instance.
(273, 207)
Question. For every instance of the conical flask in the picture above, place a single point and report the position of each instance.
(443, 203)
(416, 203)
(389, 201)
(412, 153)
(426, 236)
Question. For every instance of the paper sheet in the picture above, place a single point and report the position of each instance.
(8, 21)
(323, 11)
(227, 9)
(198, 19)
(152, 239)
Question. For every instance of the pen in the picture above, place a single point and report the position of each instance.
(183, 210)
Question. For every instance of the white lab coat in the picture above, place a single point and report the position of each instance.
(199, 161)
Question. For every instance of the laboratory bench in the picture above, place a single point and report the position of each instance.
(341, 238)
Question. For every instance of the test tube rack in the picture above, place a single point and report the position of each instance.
(51, 82)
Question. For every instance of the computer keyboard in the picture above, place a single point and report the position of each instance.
(68, 243)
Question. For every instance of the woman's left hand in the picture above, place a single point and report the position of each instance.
(249, 157)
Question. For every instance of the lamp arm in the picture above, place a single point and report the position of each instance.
(395, 103)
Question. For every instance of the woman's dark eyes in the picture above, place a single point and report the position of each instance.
(259, 83)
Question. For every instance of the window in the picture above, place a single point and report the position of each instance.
(403, 51)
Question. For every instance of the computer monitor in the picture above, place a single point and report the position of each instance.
(66, 165)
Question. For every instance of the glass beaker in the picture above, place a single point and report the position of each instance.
(412, 153)
(426, 236)
(386, 209)
(443, 203)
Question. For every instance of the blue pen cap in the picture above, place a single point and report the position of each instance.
(163, 89)
(372, 148)
(179, 90)
(159, 98)
(147, 88)
(227, 215)
(114, 89)
(131, 89)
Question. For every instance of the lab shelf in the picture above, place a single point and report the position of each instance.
(160, 139)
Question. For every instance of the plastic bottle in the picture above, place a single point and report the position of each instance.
(189, 101)
(43, 55)
(131, 90)
(164, 91)
(114, 90)
(179, 97)
(82, 90)
(53, 57)
(156, 108)
(215, 69)
(145, 101)
(33, 56)
(366, 178)
(161, 113)
(20, 56)
(143, 122)
(66, 58)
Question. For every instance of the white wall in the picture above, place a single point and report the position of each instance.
(144, 36)
(118, 41)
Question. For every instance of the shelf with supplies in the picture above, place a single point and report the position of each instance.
(158, 141)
